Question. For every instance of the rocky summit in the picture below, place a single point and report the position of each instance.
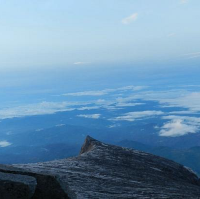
(100, 171)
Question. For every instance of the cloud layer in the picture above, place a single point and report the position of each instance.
(183, 120)
(34, 109)
(45, 107)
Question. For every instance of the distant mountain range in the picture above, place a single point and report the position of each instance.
(188, 157)
(48, 137)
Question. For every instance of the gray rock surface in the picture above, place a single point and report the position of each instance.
(106, 171)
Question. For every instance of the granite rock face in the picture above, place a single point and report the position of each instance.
(101, 171)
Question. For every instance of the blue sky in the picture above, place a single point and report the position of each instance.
(50, 47)
(48, 33)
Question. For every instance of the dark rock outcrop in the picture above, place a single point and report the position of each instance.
(16, 186)
(16, 183)
(101, 171)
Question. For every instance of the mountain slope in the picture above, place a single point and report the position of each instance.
(107, 171)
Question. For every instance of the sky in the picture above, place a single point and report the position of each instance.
(69, 34)
(49, 48)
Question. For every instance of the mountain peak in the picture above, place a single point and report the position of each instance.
(88, 144)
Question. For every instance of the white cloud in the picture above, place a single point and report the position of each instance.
(190, 101)
(88, 108)
(182, 112)
(53, 107)
(105, 91)
(91, 116)
(89, 93)
(132, 116)
(107, 104)
(60, 125)
(114, 126)
(171, 98)
(177, 127)
(81, 63)
(4, 144)
(133, 88)
(124, 104)
(195, 121)
(38, 130)
(130, 19)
